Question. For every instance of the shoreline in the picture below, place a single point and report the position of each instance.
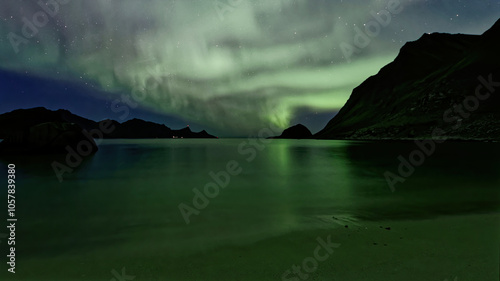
(462, 246)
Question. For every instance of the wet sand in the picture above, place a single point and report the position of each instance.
(465, 246)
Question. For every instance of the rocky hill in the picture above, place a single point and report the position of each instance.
(21, 119)
(298, 131)
(440, 85)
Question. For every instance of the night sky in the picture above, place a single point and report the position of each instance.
(230, 66)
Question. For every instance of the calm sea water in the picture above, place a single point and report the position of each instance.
(120, 208)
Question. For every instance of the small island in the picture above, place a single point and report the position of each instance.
(298, 131)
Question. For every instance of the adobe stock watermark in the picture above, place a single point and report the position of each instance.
(222, 179)
(84, 148)
(222, 7)
(121, 277)
(426, 148)
(152, 90)
(74, 156)
(372, 29)
(310, 264)
(48, 9)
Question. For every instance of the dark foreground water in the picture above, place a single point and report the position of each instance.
(119, 210)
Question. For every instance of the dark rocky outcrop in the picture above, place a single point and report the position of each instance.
(13, 121)
(425, 89)
(140, 129)
(298, 131)
(50, 137)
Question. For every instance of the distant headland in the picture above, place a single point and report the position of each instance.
(442, 86)
(133, 129)
(40, 130)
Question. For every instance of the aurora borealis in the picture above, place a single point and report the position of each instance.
(232, 65)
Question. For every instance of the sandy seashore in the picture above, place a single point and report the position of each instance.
(462, 248)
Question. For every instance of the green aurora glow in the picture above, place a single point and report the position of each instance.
(237, 69)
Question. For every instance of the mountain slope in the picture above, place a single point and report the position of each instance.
(431, 84)
(21, 119)
(298, 131)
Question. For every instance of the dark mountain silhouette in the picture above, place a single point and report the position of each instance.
(21, 119)
(298, 131)
(49, 137)
(140, 129)
(441, 84)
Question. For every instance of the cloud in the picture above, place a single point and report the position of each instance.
(238, 69)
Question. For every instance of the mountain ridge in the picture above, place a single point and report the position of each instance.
(19, 119)
(412, 95)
